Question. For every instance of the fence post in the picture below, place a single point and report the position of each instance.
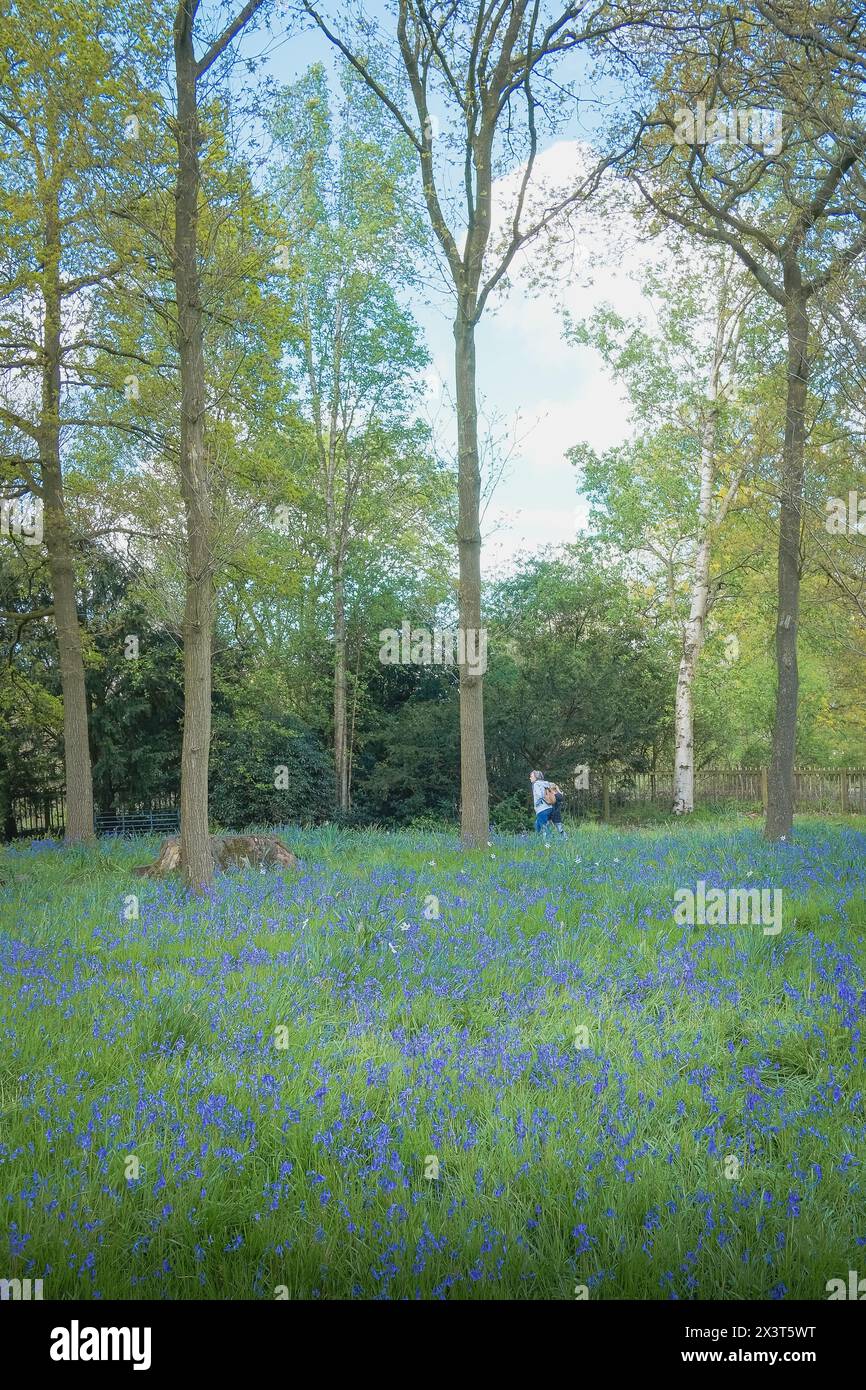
(765, 791)
(605, 796)
(843, 785)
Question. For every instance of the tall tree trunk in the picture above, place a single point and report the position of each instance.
(694, 632)
(341, 741)
(350, 756)
(474, 808)
(196, 858)
(779, 821)
(684, 719)
(79, 777)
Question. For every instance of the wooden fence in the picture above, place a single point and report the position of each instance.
(842, 790)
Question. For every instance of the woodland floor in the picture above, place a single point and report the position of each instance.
(369, 1078)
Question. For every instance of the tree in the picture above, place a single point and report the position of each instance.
(668, 494)
(198, 621)
(758, 144)
(357, 356)
(61, 108)
(474, 68)
(711, 513)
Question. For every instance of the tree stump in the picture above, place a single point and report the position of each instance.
(230, 852)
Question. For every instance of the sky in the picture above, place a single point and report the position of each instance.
(539, 394)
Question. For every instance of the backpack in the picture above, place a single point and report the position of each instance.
(550, 794)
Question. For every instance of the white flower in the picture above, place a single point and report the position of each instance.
(404, 926)
(392, 947)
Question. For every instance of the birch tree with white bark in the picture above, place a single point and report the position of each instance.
(663, 498)
(712, 510)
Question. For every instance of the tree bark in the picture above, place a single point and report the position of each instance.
(230, 852)
(779, 821)
(329, 447)
(728, 325)
(694, 633)
(195, 845)
(474, 808)
(79, 777)
(350, 752)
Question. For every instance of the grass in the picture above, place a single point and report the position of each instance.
(247, 1095)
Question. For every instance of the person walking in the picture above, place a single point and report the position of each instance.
(547, 802)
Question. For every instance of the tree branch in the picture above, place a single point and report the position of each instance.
(225, 38)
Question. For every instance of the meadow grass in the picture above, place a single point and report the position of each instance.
(249, 1094)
